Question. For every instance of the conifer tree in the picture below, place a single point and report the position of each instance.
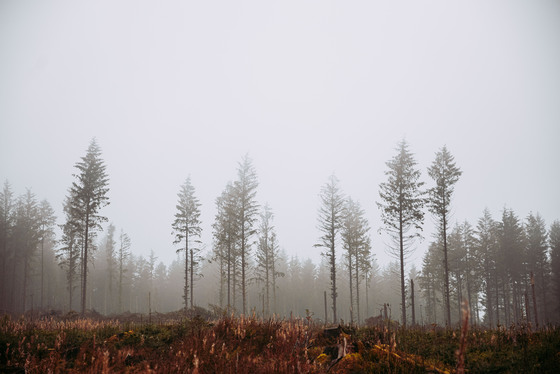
(88, 195)
(68, 255)
(554, 243)
(537, 259)
(46, 223)
(6, 228)
(267, 255)
(356, 243)
(445, 174)
(110, 259)
(26, 237)
(486, 245)
(123, 254)
(226, 239)
(245, 191)
(187, 227)
(401, 207)
(330, 222)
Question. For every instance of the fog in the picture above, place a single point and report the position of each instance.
(306, 89)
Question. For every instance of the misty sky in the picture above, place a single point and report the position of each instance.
(306, 88)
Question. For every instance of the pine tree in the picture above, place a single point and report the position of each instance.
(245, 191)
(554, 243)
(186, 227)
(226, 238)
(89, 195)
(267, 257)
(6, 228)
(122, 255)
(486, 246)
(537, 259)
(110, 259)
(68, 255)
(330, 222)
(401, 207)
(26, 237)
(46, 223)
(512, 265)
(356, 243)
(431, 280)
(445, 173)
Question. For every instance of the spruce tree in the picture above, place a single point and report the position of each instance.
(554, 243)
(401, 208)
(330, 221)
(88, 195)
(445, 174)
(123, 254)
(245, 191)
(186, 227)
(46, 223)
(537, 259)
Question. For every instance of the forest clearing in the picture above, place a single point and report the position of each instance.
(171, 344)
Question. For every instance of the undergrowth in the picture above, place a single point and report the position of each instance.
(251, 345)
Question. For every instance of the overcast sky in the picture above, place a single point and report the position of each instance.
(306, 88)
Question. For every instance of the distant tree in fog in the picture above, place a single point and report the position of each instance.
(512, 266)
(329, 223)
(46, 223)
(356, 243)
(26, 237)
(68, 255)
(246, 191)
(233, 229)
(110, 259)
(226, 238)
(267, 254)
(187, 227)
(6, 227)
(88, 196)
(401, 207)
(537, 260)
(486, 247)
(554, 242)
(445, 174)
(123, 253)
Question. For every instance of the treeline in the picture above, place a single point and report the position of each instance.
(508, 270)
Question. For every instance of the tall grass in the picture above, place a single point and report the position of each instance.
(251, 345)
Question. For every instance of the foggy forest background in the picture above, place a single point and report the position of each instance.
(507, 267)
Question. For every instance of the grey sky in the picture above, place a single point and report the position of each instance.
(172, 88)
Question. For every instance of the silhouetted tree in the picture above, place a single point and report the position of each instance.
(88, 196)
(6, 228)
(486, 248)
(26, 237)
(554, 242)
(356, 243)
(245, 191)
(186, 227)
(445, 173)
(226, 239)
(267, 256)
(431, 280)
(401, 207)
(512, 265)
(46, 223)
(68, 255)
(110, 258)
(330, 222)
(123, 254)
(537, 259)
